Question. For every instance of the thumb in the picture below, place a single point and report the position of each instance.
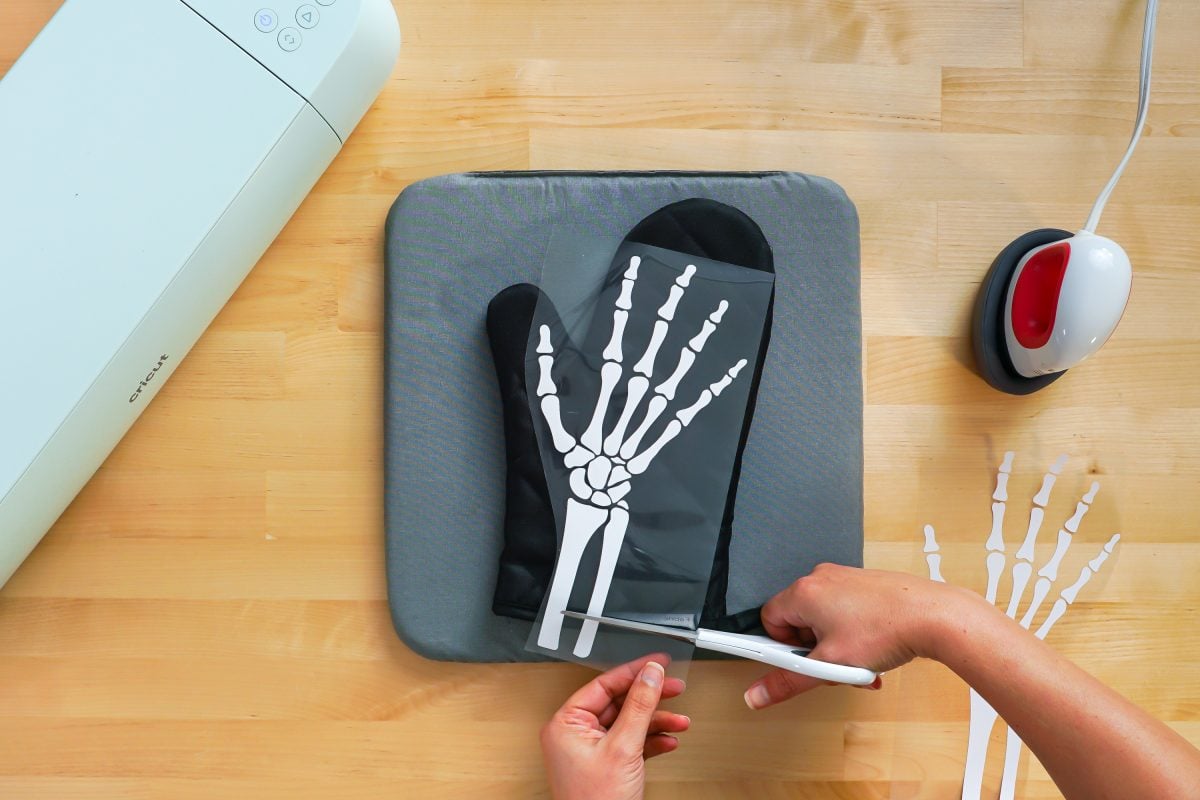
(782, 684)
(777, 686)
(629, 732)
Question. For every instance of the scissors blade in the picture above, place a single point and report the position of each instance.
(642, 627)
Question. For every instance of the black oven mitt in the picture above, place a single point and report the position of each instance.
(696, 227)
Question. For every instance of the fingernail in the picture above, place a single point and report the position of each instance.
(757, 696)
(652, 674)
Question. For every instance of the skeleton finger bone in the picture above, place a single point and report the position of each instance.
(683, 418)
(654, 410)
(592, 438)
(1046, 577)
(638, 464)
(621, 313)
(665, 391)
(714, 319)
(667, 310)
(613, 351)
(1023, 568)
(625, 300)
(1081, 508)
(1068, 595)
(614, 356)
(666, 313)
(645, 364)
(668, 387)
(1012, 749)
(547, 393)
(996, 560)
(689, 353)
(1001, 492)
(634, 393)
(933, 556)
(982, 715)
(1042, 498)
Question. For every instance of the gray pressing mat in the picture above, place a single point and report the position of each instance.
(453, 242)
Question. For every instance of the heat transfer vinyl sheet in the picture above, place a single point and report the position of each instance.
(641, 386)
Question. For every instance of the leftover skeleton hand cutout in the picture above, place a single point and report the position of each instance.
(605, 464)
(983, 716)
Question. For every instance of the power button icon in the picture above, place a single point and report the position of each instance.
(265, 20)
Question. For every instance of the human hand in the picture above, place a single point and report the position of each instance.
(595, 747)
(869, 618)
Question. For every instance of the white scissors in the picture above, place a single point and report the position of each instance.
(745, 645)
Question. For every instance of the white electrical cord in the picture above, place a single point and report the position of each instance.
(1143, 104)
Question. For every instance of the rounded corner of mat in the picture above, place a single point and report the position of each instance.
(420, 191)
(825, 183)
(430, 648)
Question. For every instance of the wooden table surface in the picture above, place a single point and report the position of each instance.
(208, 619)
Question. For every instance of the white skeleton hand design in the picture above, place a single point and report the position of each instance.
(602, 467)
(983, 716)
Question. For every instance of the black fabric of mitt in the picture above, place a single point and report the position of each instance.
(697, 227)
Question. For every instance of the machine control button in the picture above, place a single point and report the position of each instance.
(325, 2)
(307, 16)
(265, 20)
(289, 39)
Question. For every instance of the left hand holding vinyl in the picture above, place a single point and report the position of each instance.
(595, 747)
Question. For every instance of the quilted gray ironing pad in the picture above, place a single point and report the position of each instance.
(453, 242)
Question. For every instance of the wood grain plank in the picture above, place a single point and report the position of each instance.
(970, 32)
(894, 166)
(345, 787)
(767, 92)
(1107, 34)
(915, 370)
(1067, 100)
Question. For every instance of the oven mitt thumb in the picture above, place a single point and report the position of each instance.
(699, 228)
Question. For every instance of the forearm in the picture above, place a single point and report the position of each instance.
(1093, 742)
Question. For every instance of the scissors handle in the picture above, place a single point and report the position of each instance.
(780, 654)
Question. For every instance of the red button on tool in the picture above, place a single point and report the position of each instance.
(1035, 298)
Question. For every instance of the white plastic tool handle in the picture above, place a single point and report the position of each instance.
(779, 654)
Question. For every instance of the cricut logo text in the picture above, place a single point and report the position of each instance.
(149, 377)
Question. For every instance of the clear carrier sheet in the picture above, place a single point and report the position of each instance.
(639, 368)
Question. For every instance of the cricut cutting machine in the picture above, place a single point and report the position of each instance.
(150, 151)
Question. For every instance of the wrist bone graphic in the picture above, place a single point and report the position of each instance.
(982, 715)
(604, 465)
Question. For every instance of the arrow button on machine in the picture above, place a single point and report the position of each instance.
(307, 16)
